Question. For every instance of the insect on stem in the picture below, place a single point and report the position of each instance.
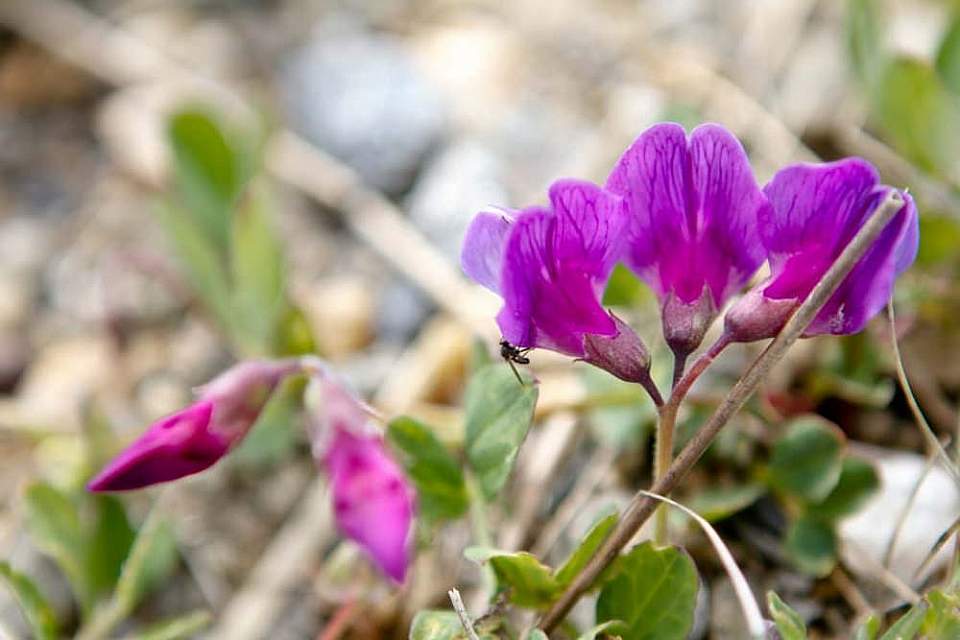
(514, 355)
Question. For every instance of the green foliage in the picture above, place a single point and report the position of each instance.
(526, 581)
(807, 460)
(715, 504)
(868, 629)
(219, 220)
(907, 627)
(436, 625)
(36, 608)
(89, 550)
(441, 490)
(654, 592)
(624, 416)
(499, 411)
(919, 115)
(941, 236)
(789, 624)
(942, 619)
(857, 483)
(588, 546)
(811, 544)
(864, 40)
(948, 56)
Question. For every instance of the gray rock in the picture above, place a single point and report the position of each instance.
(462, 180)
(358, 96)
(402, 310)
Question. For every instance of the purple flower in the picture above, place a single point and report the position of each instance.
(816, 210)
(195, 438)
(551, 265)
(692, 207)
(372, 500)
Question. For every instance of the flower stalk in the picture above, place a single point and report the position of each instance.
(642, 506)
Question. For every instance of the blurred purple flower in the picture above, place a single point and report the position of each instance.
(692, 208)
(551, 265)
(372, 500)
(194, 438)
(816, 210)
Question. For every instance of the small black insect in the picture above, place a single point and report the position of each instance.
(514, 354)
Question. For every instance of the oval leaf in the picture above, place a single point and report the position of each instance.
(527, 582)
(36, 608)
(499, 411)
(812, 546)
(435, 473)
(807, 461)
(653, 592)
(858, 482)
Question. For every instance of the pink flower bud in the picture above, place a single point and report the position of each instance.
(194, 438)
(373, 502)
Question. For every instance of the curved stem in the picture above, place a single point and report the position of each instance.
(666, 425)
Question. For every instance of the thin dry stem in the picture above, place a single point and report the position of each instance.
(461, 610)
(641, 507)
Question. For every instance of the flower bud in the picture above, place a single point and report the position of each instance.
(195, 438)
(757, 317)
(685, 323)
(623, 355)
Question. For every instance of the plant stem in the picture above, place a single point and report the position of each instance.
(666, 425)
(641, 507)
(480, 529)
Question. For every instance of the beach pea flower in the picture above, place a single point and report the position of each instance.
(373, 502)
(816, 211)
(550, 265)
(692, 205)
(195, 438)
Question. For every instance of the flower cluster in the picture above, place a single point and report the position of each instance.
(373, 501)
(686, 215)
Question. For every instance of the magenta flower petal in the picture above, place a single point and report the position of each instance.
(692, 208)
(556, 264)
(482, 254)
(816, 211)
(195, 438)
(179, 445)
(372, 500)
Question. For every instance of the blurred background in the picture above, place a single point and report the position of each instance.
(183, 184)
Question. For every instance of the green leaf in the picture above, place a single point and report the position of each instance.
(608, 628)
(528, 583)
(499, 411)
(789, 623)
(623, 418)
(807, 461)
(207, 172)
(108, 545)
(294, 336)
(259, 283)
(942, 619)
(584, 552)
(812, 545)
(654, 592)
(186, 626)
(36, 608)
(718, 503)
(948, 56)
(865, 40)
(537, 634)
(441, 491)
(55, 528)
(868, 629)
(274, 435)
(204, 268)
(436, 625)
(907, 627)
(151, 559)
(857, 484)
(919, 115)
